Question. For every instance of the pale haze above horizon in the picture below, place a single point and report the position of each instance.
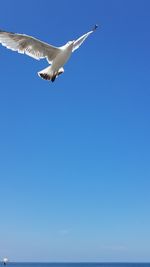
(75, 154)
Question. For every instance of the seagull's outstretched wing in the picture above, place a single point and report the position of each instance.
(28, 45)
(80, 40)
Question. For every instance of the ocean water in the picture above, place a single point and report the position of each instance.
(76, 264)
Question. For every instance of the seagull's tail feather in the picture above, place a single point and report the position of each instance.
(49, 74)
(46, 73)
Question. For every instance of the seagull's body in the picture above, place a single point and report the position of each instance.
(56, 56)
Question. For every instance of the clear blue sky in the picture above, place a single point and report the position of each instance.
(75, 154)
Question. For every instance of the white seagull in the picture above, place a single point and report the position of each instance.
(56, 56)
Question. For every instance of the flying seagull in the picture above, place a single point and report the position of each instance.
(56, 56)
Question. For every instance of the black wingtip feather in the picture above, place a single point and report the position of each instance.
(95, 27)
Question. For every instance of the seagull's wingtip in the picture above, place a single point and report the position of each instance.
(95, 27)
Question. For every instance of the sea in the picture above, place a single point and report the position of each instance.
(20, 264)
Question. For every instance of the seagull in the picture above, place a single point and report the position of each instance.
(56, 56)
(5, 261)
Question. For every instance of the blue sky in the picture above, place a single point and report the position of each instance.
(75, 154)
